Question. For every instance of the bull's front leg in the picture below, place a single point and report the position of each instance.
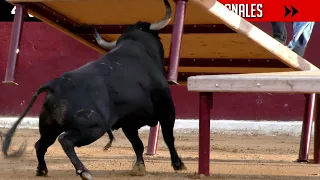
(139, 168)
(167, 133)
(111, 139)
(166, 116)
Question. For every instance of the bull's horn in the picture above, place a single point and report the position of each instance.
(103, 43)
(165, 21)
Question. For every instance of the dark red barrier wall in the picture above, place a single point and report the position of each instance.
(46, 53)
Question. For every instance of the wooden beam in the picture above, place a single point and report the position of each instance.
(247, 29)
(230, 70)
(284, 82)
(222, 62)
(188, 29)
(32, 1)
(35, 9)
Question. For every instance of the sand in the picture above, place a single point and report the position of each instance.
(232, 157)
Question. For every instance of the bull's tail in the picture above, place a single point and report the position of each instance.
(7, 141)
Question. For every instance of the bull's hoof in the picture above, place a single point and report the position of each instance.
(179, 167)
(106, 148)
(86, 176)
(139, 169)
(43, 173)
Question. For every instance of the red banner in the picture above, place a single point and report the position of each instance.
(275, 10)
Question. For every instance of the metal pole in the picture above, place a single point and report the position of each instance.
(306, 128)
(17, 27)
(153, 140)
(317, 131)
(176, 41)
(204, 133)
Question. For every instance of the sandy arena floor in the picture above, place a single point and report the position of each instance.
(232, 157)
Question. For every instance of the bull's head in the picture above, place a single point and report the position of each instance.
(154, 27)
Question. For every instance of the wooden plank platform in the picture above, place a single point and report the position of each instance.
(206, 36)
(282, 82)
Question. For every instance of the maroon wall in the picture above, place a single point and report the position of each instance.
(46, 53)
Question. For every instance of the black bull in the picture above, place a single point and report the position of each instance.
(126, 88)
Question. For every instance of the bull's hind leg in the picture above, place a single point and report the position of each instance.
(49, 131)
(133, 136)
(81, 137)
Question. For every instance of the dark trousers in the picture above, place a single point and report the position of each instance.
(301, 35)
(279, 31)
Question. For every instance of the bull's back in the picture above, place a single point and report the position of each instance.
(128, 73)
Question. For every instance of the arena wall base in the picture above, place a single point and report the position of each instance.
(228, 127)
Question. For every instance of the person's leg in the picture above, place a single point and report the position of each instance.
(301, 36)
(279, 31)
